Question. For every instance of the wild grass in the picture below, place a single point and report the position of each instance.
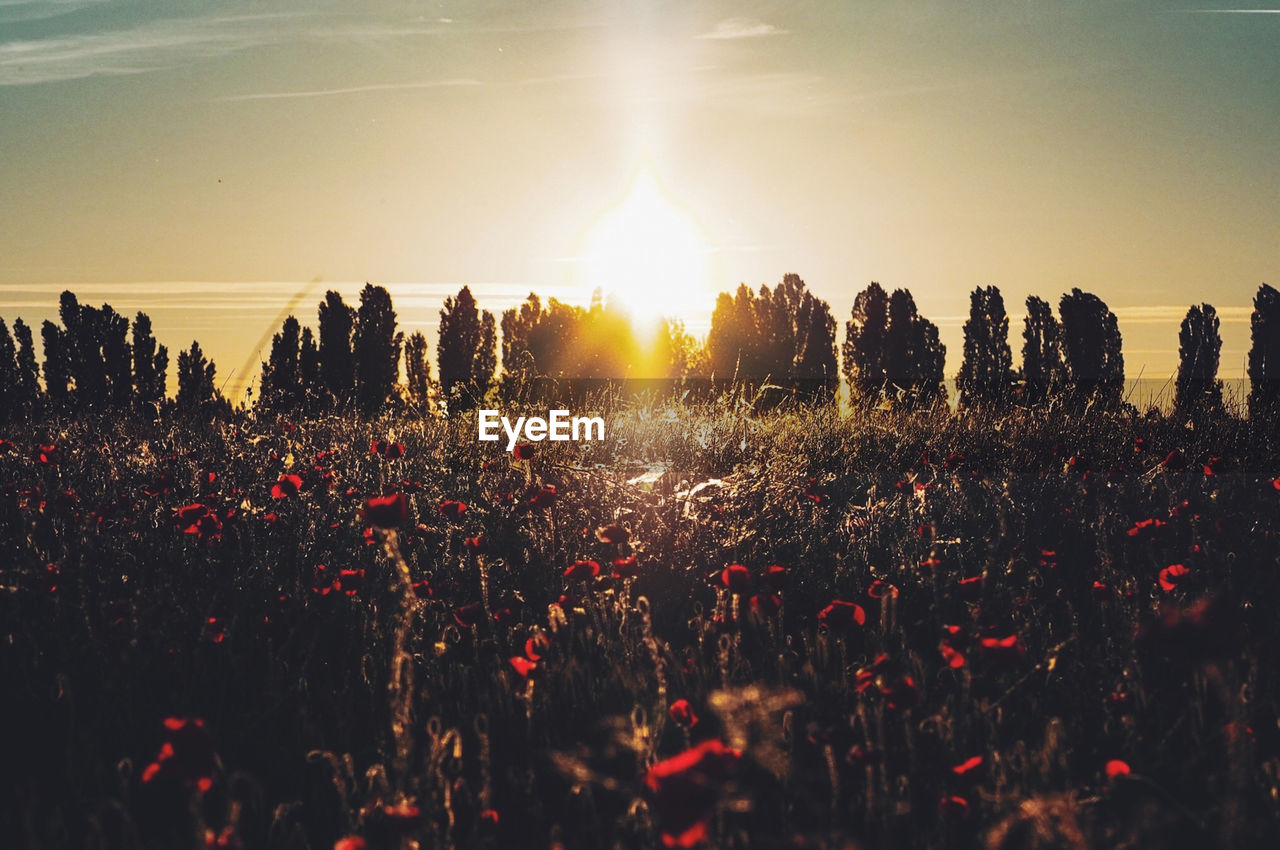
(1008, 570)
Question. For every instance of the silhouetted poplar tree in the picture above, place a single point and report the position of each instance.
(913, 356)
(466, 353)
(117, 355)
(863, 347)
(417, 369)
(196, 390)
(310, 387)
(57, 364)
(150, 362)
(281, 381)
(337, 361)
(8, 372)
(1197, 391)
(732, 351)
(1091, 345)
(27, 377)
(1264, 355)
(986, 375)
(376, 348)
(1042, 371)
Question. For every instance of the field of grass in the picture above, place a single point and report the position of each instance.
(790, 629)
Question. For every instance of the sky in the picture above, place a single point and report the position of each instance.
(219, 164)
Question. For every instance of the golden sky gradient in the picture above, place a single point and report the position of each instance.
(252, 151)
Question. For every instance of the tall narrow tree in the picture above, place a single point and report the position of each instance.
(863, 347)
(1092, 345)
(1197, 391)
(281, 382)
(57, 364)
(8, 372)
(376, 347)
(117, 355)
(150, 362)
(986, 375)
(337, 361)
(196, 391)
(28, 375)
(466, 354)
(309, 384)
(1264, 356)
(417, 369)
(1042, 371)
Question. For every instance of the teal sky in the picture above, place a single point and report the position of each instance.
(246, 150)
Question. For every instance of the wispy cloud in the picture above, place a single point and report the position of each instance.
(1159, 314)
(422, 84)
(147, 47)
(18, 11)
(732, 28)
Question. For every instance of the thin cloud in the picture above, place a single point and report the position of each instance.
(1159, 314)
(733, 28)
(423, 84)
(149, 47)
(19, 11)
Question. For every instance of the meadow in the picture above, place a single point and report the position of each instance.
(716, 627)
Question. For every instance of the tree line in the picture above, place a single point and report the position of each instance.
(891, 357)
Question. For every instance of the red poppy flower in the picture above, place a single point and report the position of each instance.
(955, 658)
(351, 842)
(765, 604)
(626, 567)
(881, 590)
(682, 714)
(685, 789)
(930, 563)
(422, 589)
(477, 544)
(968, 767)
(452, 509)
(582, 571)
(1116, 768)
(1174, 461)
(777, 577)
(349, 581)
(288, 485)
(1007, 649)
(841, 615)
(523, 665)
(537, 646)
(612, 533)
(953, 808)
(1172, 576)
(523, 451)
(737, 578)
(970, 588)
(387, 511)
(953, 460)
(815, 492)
(542, 497)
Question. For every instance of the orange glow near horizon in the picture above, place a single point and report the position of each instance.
(649, 254)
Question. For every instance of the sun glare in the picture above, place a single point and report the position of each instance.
(649, 254)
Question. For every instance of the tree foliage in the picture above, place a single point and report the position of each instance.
(1197, 391)
(1092, 348)
(986, 376)
(1264, 355)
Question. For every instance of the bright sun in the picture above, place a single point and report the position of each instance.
(648, 253)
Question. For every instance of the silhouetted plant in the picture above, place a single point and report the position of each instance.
(913, 356)
(150, 362)
(197, 393)
(26, 394)
(1092, 349)
(677, 354)
(1264, 355)
(311, 389)
(337, 361)
(986, 376)
(8, 372)
(57, 364)
(1042, 370)
(466, 353)
(784, 335)
(376, 348)
(418, 370)
(1197, 391)
(117, 355)
(281, 388)
(863, 347)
